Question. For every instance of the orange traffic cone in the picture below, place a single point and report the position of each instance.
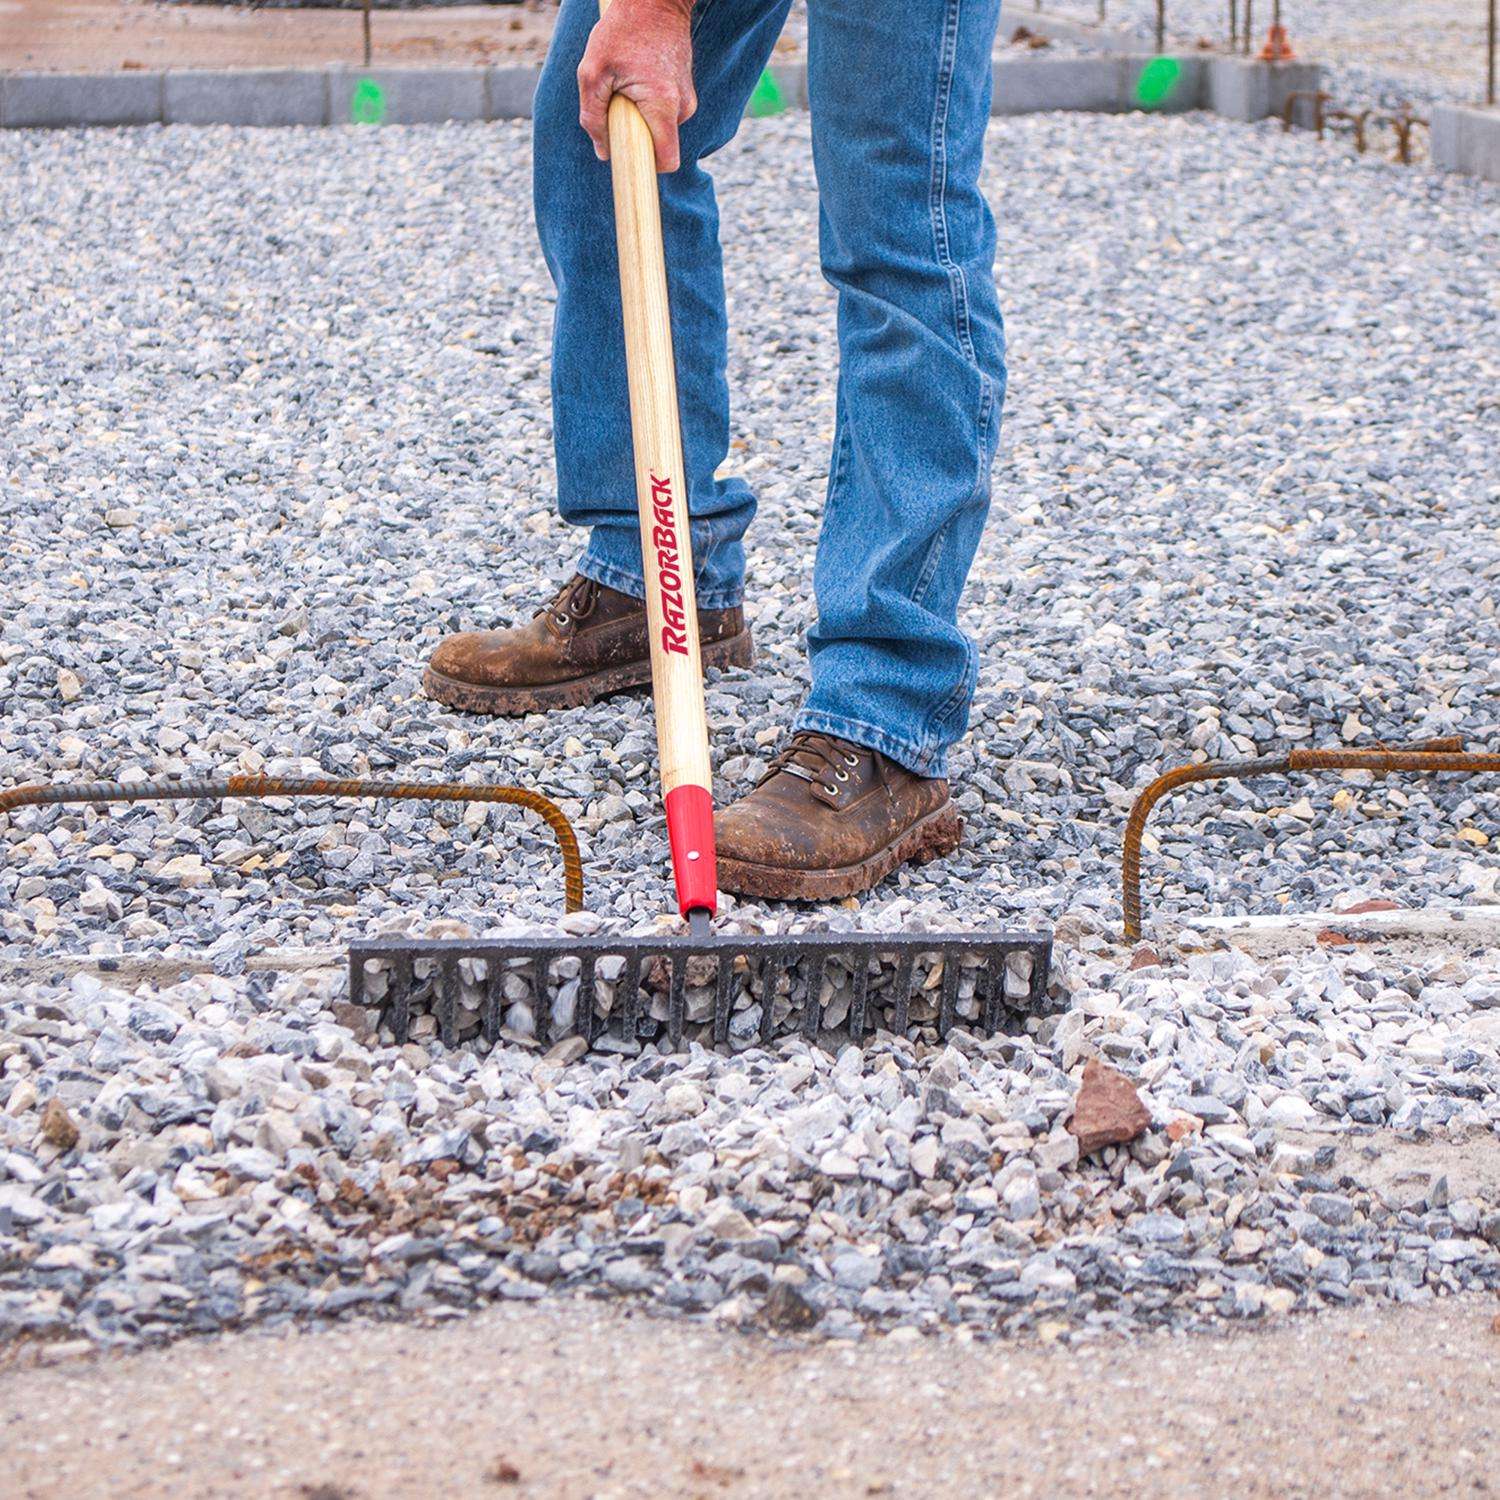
(1277, 48)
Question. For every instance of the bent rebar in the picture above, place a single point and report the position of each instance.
(1435, 755)
(262, 787)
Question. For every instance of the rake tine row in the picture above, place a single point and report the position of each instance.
(428, 972)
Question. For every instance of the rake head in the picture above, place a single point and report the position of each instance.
(726, 989)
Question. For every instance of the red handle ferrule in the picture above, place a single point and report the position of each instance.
(690, 828)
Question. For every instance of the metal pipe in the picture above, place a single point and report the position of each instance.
(1248, 28)
(1234, 24)
(262, 787)
(1426, 756)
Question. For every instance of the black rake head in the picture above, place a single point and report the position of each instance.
(619, 993)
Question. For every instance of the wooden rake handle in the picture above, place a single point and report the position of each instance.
(661, 494)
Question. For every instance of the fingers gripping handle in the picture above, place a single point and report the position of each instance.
(661, 495)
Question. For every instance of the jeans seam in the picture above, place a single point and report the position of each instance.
(937, 197)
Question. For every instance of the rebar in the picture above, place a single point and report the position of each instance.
(1402, 123)
(368, 48)
(1358, 118)
(1427, 756)
(1293, 99)
(262, 787)
(1161, 25)
(1491, 40)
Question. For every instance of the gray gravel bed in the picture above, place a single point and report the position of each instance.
(275, 419)
(222, 1152)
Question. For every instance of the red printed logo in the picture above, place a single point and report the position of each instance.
(668, 574)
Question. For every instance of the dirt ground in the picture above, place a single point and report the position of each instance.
(581, 1400)
(83, 36)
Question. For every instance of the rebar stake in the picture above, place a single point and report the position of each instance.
(259, 788)
(1445, 754)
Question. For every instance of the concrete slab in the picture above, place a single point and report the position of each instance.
(1242, 89)
(59, 100)
(1466, 139)
(406, 96)
(508, 92)
(1025, 86)
(269, 96)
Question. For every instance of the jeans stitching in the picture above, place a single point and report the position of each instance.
(937, 196)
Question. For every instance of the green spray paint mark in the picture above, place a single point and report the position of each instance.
(367, 103)
(767, 98)
(1157, 81)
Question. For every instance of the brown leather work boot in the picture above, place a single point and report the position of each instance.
(590, 641)
(830, 819)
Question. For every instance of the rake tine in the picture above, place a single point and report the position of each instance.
(994, 990)
(1037, 993)
(904, 974)
(950, 994)
(445, 982)
(583, 1006)
(723, 998)
(677, 1002)
(858, 999)
(770, 975)
(401, 1000)
(630, 986)
(541, 1005)
(494, 996)
(812, 1007)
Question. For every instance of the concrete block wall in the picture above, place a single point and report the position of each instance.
(1466, 139)
(1106, 82)
(1242, 89)
(49, 100)
(292, 96)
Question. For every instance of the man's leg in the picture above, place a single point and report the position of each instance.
(575, 218)
(900, 95)
(908, 241)
(590, 640)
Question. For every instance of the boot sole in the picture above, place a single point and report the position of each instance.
(939, 833)
(475, 698)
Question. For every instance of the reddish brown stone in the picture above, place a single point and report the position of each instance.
(1145, 957)
(57, 1125)
(1378, 904)
(1108, 1111)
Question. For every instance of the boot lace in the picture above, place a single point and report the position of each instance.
(574, 601)
(814, 757)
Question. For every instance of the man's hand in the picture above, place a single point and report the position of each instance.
(644, 50)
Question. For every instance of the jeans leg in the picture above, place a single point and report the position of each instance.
(575, 219)
(909, 244)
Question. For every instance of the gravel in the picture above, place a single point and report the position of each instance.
(275, 420)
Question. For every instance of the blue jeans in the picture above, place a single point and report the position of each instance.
(899, 92)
